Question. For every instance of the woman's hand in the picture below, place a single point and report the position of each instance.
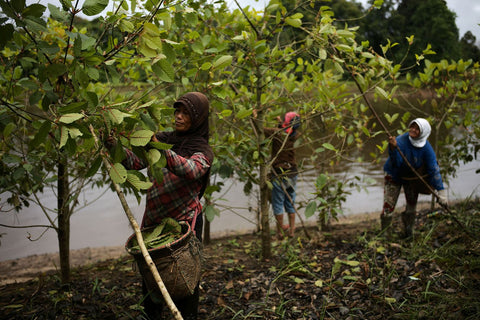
(392, 141)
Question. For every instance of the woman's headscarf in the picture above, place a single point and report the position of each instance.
(195, 139)
(425, 130)
(291, 122)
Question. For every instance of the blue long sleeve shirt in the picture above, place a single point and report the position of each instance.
(417, 157)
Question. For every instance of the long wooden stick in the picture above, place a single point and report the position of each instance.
(148, 259)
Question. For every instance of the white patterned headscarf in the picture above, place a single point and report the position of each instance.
(425, 130)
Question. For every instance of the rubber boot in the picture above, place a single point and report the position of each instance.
(408, 219)
(386, 222)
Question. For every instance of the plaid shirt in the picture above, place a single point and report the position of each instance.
(177, 195)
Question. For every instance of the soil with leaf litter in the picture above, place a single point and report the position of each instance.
(351, 271)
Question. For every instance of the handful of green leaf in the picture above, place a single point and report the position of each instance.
(167, 231)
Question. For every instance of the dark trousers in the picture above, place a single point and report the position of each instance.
(187, 306)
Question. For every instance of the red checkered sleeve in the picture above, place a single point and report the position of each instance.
(176, 195)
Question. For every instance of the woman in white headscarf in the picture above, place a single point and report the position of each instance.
(422, 158)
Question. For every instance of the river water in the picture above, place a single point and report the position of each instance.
(104, 223)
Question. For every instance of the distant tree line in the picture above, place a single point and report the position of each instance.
(430, 21)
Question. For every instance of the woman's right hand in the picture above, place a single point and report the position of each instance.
(392, 141)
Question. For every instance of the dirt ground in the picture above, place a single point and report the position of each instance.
(27, 268)
(347, 272)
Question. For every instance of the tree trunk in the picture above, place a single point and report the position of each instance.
(63, 230)
(263, 170)
(206, 231)
(264, 214)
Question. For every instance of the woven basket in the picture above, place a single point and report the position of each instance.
(178, 264)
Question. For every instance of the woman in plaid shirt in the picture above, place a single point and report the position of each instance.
(184, 180)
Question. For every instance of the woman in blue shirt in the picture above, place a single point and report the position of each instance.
(419, 153)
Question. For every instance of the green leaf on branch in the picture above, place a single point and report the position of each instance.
(206, 66)
(65, 133)
(392, 118)
(157, 171)
(223, 62)
(94, 7)
(94, 167)
(74, 133)
(70, 117)
(149, 29)
(322, 54)
(154, 43)
(117, 116)
(56, 69)
(7, 131)
(35, 10)
(211, 212)
(57, 14)
(118, 173)
(153, 155)
(310, 209)
(243, 113)
(144, 105)
(192, 18)
(87, 42)
(296, 23)
(73, 107)
(365, 131)
(66, 4)
(11, 159)
(225, 113)
(135, 179)
(378, 3)
(126, 26)
(321, 181)
(141, 138)
(329, 147)
(6, 32)
(382, 92)
(164, 70)
(160, 145)
(63, 136)
(36, 25)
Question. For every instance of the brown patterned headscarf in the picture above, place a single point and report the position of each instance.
(196, 138)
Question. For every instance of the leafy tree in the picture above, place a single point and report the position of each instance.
(381, 25)
(398, 19)
(272, 78)
(345, 13)
(453, 107)
(57, 81)
(440, 32)
(468, 48)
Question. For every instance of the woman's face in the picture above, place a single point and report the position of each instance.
(182, 119)
(414, 131)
